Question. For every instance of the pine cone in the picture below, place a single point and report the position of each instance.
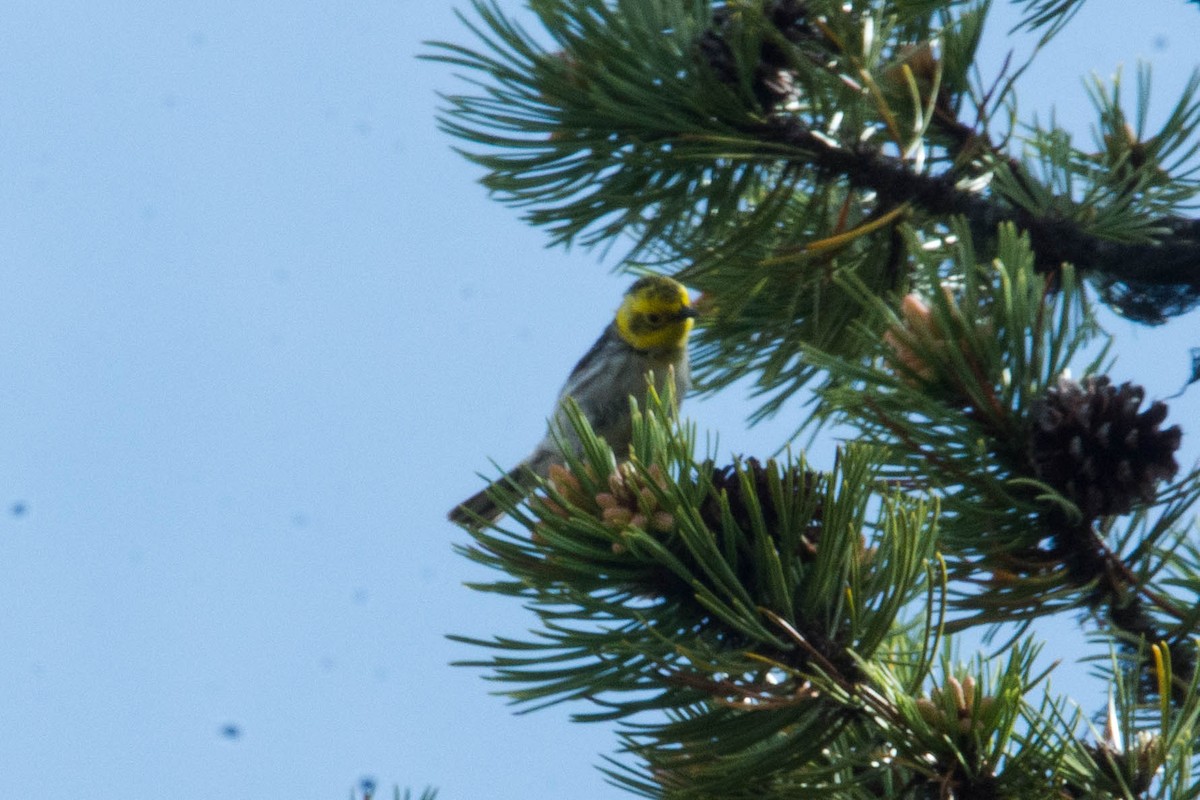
(1091, 444)
(714, 50)
(772, 82)
(1135, 768)
(630, 502)
(951, 708)
(725, 479)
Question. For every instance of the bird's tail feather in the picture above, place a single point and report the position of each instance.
(481, 508)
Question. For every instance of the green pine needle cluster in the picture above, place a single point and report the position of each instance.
(686, 586)
(874, 227)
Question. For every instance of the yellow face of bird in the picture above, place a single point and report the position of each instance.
(656, 314)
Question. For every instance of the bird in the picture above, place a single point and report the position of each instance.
(648, 334)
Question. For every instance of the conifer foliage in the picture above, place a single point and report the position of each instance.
(870, 222)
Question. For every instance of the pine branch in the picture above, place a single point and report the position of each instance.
(1173, 261)
(766, 630)
(1035, 470)
(675, 123)
(715, 594)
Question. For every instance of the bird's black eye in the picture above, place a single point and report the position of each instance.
(654, 319)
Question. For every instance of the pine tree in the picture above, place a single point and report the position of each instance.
(869, 221)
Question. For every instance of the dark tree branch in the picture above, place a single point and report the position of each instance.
(1147, 281)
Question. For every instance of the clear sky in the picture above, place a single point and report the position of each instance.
(260, 328)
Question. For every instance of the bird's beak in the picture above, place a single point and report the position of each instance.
(688, 312)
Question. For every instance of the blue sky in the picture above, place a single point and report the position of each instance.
(261, 327)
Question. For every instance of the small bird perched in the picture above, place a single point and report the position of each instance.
(648, 334)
